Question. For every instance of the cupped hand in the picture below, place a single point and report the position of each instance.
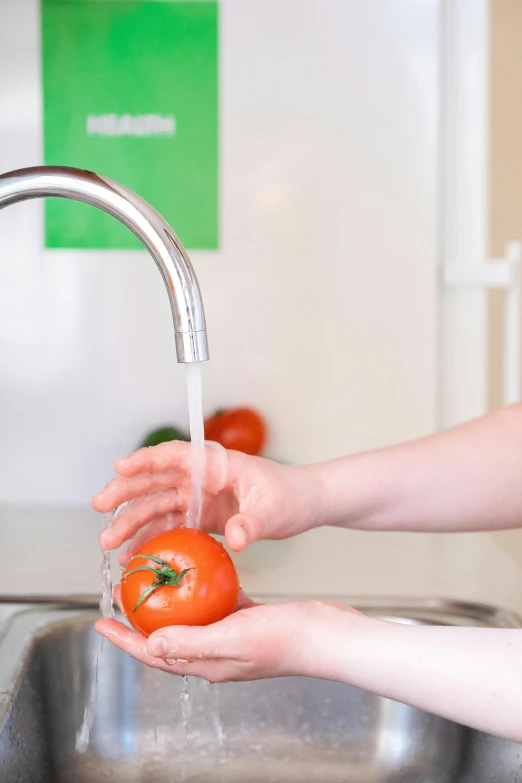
(245, 498)
(258, 641)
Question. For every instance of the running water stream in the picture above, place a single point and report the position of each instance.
(197, 442)
(106, 607)
(193, 519)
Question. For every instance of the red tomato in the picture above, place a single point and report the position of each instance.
(181, 577)
(241, 429)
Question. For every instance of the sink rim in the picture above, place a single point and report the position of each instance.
(434, 610)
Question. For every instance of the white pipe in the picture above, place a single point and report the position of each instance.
(464, 206)
(512, 326)
(490, 274)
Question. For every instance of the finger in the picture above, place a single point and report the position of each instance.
(138, 514)
(179, 457)
(127, 640)
(134, 644)
(120, 490)
(150, 530)
(216, 467)
(244, 602)
(194, 643)
(155, 459)
(241, 530)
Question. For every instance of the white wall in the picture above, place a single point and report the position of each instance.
(321, 302)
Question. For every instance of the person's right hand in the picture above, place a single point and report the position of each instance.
(245, 498)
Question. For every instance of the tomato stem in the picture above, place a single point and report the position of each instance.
(165, 576)
(154, 559)
(142, 568)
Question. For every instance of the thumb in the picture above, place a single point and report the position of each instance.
(189, 643)
(242, 530)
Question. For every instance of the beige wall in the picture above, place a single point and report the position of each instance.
(505, 178)
(506, 157)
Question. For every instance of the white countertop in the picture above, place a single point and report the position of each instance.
(54, 551)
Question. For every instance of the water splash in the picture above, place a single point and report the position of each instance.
(186, 721)
(106, 604)
(83, 735)
(212, 693)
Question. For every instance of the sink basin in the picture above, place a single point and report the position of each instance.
(290, 729)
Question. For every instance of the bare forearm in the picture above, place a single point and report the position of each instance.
(467, 478)
(469, 675)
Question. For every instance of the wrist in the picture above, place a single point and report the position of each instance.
(334, 637)
(357, 491)
(303, 497)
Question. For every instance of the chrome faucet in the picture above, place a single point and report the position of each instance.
(147, 224)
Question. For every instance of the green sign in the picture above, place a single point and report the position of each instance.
(131, 92)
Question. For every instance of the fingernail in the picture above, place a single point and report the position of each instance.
(240, 540)
(157, 646)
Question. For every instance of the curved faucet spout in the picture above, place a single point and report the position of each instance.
(147, 224)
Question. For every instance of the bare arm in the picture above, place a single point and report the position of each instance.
(466, 478)
(469, 675)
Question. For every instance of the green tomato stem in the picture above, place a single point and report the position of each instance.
(165, 576)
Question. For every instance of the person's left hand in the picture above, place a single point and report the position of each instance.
(257, 641)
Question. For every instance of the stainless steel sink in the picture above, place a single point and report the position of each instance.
(289, 729)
